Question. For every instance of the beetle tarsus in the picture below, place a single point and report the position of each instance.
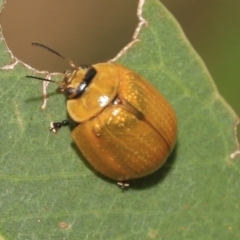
(123, 184)
(55, 126)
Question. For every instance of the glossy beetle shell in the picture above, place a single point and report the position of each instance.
(126, 128)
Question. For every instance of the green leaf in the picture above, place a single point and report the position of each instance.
(49, 192)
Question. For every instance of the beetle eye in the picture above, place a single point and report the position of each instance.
(76, 92)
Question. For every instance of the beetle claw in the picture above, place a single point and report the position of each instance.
(55, 126)
(123, 184)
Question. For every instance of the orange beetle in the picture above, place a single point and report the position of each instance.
(126, 128)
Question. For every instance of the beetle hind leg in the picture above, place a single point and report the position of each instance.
(123, 184)
(55, 126)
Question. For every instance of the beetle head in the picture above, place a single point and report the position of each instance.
(75, 81)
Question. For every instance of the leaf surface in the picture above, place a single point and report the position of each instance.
(48, 191)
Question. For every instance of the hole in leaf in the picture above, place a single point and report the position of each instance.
(85, 31)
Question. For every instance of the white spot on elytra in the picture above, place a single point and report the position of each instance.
(103, 100)
(115, 112)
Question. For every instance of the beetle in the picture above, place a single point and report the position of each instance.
(125, 128)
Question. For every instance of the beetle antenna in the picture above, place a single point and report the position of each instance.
(42, 79)
(53, 51)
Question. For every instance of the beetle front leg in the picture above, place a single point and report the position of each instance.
(55, 126)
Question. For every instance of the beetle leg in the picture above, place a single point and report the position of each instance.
(123, 184)
(55, 126)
